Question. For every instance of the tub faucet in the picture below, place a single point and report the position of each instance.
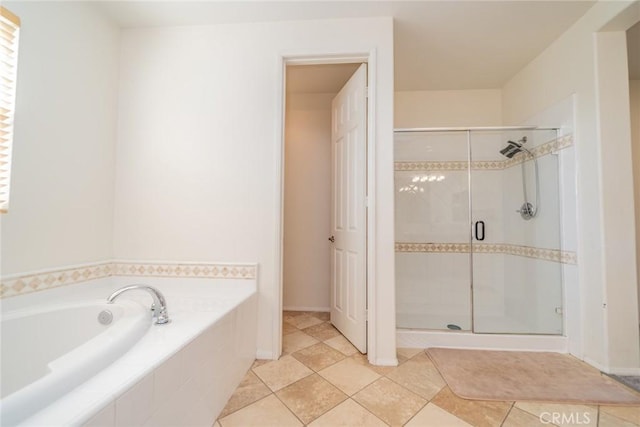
(159, 306)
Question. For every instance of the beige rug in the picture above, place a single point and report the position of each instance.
(519, 375)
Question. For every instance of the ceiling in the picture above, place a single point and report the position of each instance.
(438, 44)
(633, 49)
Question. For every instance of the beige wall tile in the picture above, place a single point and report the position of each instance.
(106, 417)
(136, 405)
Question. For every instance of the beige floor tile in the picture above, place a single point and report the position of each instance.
(342, 344)
(266, 412)
(216, 424)
(519, 418)
(574, 415)
(296, 341)
(608, 420)
(292, 313)
(318, 356)
(627, 413)
(362, 360)
(434, 416)
(390, 402)
(260, 362)
(288, 328)
(348, 414)
(322, 331)
(310, 397)
(325, 316)
(250, 390)
(405, 354)
(302, 321)
(349, 376)
(478, 413)
(419, 375)
(281, 373)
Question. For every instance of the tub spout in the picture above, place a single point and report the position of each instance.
(159, 306)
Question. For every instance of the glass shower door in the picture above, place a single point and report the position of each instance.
(433, 269)
(515, 227)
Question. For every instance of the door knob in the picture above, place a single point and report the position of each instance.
(332, 239)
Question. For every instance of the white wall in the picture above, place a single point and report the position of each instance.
(61, 208)
(634, 98)
(307, 201)
(197, 174)
(448, 108)
(566, 68)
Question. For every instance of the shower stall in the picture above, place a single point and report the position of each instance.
(478, 231)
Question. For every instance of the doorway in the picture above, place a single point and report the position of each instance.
(324, 213)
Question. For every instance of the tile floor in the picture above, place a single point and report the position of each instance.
(322, 380)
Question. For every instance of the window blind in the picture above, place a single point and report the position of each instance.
(9, 33)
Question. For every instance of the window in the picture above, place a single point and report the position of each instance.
(9, 32)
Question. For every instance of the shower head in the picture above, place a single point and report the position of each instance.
(511, 149)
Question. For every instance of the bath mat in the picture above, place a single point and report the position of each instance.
(533, 376)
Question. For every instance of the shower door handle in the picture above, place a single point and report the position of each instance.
(479, 229)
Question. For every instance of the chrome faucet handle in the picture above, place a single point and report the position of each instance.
(159, 306)
(162, 316)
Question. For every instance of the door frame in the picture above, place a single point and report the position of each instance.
(327, 58)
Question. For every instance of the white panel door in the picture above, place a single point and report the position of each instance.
(348, 210)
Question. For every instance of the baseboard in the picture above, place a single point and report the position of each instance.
(624, 371)
(595, 364)
(298, 308)
(386, 362)
(265, 355)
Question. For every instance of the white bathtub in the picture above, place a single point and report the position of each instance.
(51, 349)
(181, 373)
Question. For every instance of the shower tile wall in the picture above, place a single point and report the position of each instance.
(512, 293)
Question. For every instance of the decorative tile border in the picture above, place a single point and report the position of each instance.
(456, 248)
(539, 151)
(208, 271)
(23, 284)
(555, 255)
(431, 166)
(19, 285)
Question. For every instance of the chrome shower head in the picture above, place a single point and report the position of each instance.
(511, 149)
